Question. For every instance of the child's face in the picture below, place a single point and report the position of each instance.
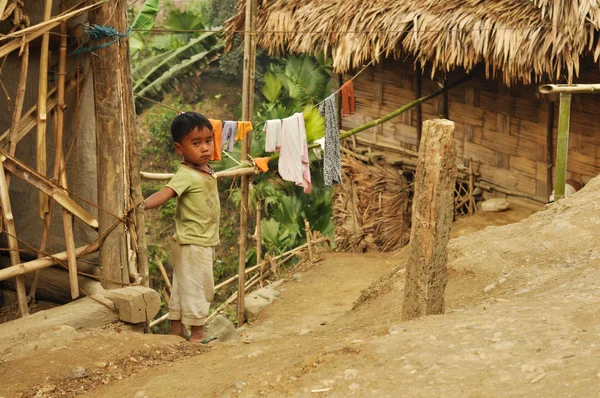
(197, 146)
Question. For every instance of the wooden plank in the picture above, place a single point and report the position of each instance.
(523, 166)
(479, 153)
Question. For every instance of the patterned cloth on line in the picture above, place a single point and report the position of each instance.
(332, 169)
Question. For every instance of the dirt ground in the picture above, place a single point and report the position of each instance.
(521, 320)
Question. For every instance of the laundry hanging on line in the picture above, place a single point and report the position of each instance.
(348, 100)
(332, 168)
(217, 126)
(272, 131)
(293, 161)
(229, 133)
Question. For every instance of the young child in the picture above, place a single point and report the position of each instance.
(196, 224)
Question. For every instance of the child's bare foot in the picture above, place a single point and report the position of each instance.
(199, 335)
(177, 329)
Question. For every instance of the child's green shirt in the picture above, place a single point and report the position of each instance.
(198, 208)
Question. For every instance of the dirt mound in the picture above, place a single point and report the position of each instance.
(530, 256)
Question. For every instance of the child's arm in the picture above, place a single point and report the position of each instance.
(159, 198)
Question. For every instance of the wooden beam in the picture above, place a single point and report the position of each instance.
(21, 87)
(48, 187)
(238, 172)
(433, 211)
(247, 110)
(116, 138)
(13, 244)
(44, 262)
(562, 145)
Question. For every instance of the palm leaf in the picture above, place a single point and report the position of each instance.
(145, 19)
(272, 87)
(203, 44)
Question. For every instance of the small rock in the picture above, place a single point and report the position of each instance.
(304, 331)
(79, 373)
(350, 374)
(501, 280)
(489, 288)
(239, 385)
(140, 394)
(222, 328)
(297, 277)
(354, 387)
(396, 329)
(523, 291)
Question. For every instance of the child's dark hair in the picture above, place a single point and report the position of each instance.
(186, 122)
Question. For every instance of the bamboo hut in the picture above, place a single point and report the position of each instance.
(71, 224)
(504, 128)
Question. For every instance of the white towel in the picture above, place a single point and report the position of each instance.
(272, 130)
(293, 161)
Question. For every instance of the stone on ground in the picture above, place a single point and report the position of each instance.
(222, 328)
(256, 301)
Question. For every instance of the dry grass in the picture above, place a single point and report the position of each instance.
(516, 40)
(371, 208)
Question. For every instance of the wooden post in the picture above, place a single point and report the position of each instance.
(247, 109)
(116, 141)
(419, 109)
(549, 147)
(19, 100)
(42, 115)
(562, 145)
(258, 232)
(471, 187)
(13, 245)
(432, 212)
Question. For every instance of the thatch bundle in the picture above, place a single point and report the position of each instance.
(517, 40)
(371, 208)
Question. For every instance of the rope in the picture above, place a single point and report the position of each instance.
(96, 33)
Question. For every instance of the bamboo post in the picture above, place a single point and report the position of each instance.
(247, 109)
(562, 145)
(19, 100)
(427, 272)
(258, 232)
(419, 110)
(42, 110)
(308, 239)
(471, 198)
(13, 245)
(549, 147)
(36, 277)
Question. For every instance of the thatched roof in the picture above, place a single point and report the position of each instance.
(519, 40)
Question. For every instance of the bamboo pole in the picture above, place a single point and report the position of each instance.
(419, 110)
(47, 186)
(308, 239)
(549, 148)
(20, 269)
(567, 88)
(19, 100)
(229, 173)
(42, 111)
(36, 277)
(562, 145)
(471, 198)
(258, 232)
(164, 274)
(247, 108)
(13, 245)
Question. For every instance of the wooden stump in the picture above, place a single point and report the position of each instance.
(432, 213)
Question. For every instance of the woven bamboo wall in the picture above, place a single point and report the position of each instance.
(503, 128)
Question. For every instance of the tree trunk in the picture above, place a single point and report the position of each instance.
(432, 213)
(118, 170)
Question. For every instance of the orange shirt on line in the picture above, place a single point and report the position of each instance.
(242, 129)
(217, 126)
(347, 94)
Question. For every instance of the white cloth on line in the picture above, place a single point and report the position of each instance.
(293, 160)
(272, 131)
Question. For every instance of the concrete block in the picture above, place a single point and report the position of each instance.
(135, 304)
